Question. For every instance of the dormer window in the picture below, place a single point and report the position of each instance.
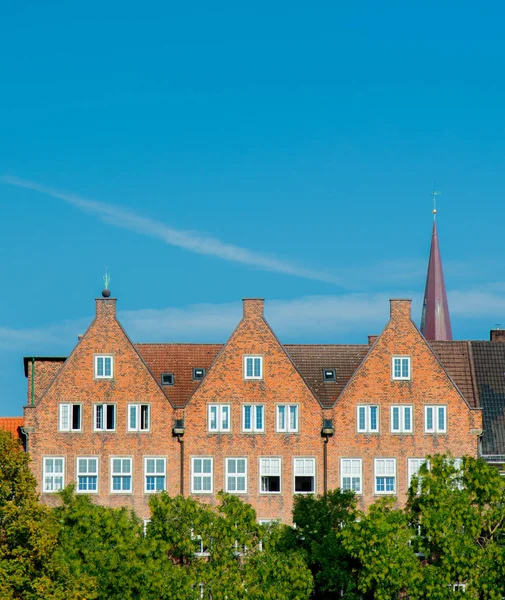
(198, 374)
(400, 367)
(329, 375)
(104, 367)
(253, 367)
(167, 379)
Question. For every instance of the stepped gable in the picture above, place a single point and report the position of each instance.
(311, 359)
(179, 359)
(457, 360)
(489, 360)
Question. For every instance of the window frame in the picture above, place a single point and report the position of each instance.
(314, 473)
(410, 474)
(435, 418)
(254, 409)
(244, 364)
(121, 474)
(401, 377)
(52, 474)
(385, 492)
(333, 377)
(260, 475)
(287, 418)
(138, 407)
(202, 475)
(71, 406)
(155, 474)
(401, 418)
(351, 475)
(87, 474)
(236, 475)
(219, 417)
(194, 373)
(367, 428)
(102, 429)
(95, 369)
(170, 375)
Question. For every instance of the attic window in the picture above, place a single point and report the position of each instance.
(198, 374)
(329, 375)
(167, 379)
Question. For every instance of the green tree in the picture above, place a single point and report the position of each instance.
(28, 534)
(224, 552)
(459, 513)
(320, 522)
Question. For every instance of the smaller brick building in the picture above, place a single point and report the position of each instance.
(253, 416)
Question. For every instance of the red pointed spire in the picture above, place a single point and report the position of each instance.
(435, 320)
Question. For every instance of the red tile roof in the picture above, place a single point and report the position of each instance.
(457, 359)
(11, 424)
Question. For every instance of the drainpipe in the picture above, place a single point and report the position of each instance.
(326, 432)
(33, 381)
(178, 432)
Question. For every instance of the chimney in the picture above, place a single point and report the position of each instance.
(399, 308)
(105, 308)
(253, 307)
(371, 339)
(497, 335)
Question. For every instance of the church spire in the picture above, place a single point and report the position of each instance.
(435, 320)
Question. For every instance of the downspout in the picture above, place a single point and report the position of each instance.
(33, 381)
(325, 465)
(181, 442)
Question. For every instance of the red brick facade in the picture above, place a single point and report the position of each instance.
(251, 370)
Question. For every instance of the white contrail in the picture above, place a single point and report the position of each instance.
(120, 217)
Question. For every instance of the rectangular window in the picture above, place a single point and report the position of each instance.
(351, 474)
(253, 418)
(435, 419)
(304, 475)
(414, 465)
(401, 419)
(105, 417)
(236, 475)
(70, 417)
(121, 475)
(167, 379)
(53, 473)
(400, 367)
(198, 374)
(104, 367)
(138, 417)
(87, 475)
(201, 475)
(287, 418)
(368, 418)
(155, 474)
(385, 475)
(270, 475)
(253, 367)
(219, 418)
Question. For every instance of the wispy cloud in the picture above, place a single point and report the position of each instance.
(192, 241)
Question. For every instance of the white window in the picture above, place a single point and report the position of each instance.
(253, 367)
(219, 417)
(287, 418)
(351, 474)
(155, 474)
(200, 549)
(253, 418)
(121, 475)
(435, 419)
(87, 475)
(304, 475)
(70, 417)
(401, 419)
(54, 473)
(201, 475)
(400, 367)
(270, 475)
(138, 417)
(368, 418)
(236, 475)
(104, 367)
(385, 475)
(413, 467)
(105, 417)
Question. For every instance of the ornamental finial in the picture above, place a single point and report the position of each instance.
(434, 195)
(106, 281)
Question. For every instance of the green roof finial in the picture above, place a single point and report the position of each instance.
(106, 280)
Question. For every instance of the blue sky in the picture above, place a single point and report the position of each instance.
(206, 152)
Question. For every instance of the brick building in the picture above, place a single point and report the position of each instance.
(258, 418)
